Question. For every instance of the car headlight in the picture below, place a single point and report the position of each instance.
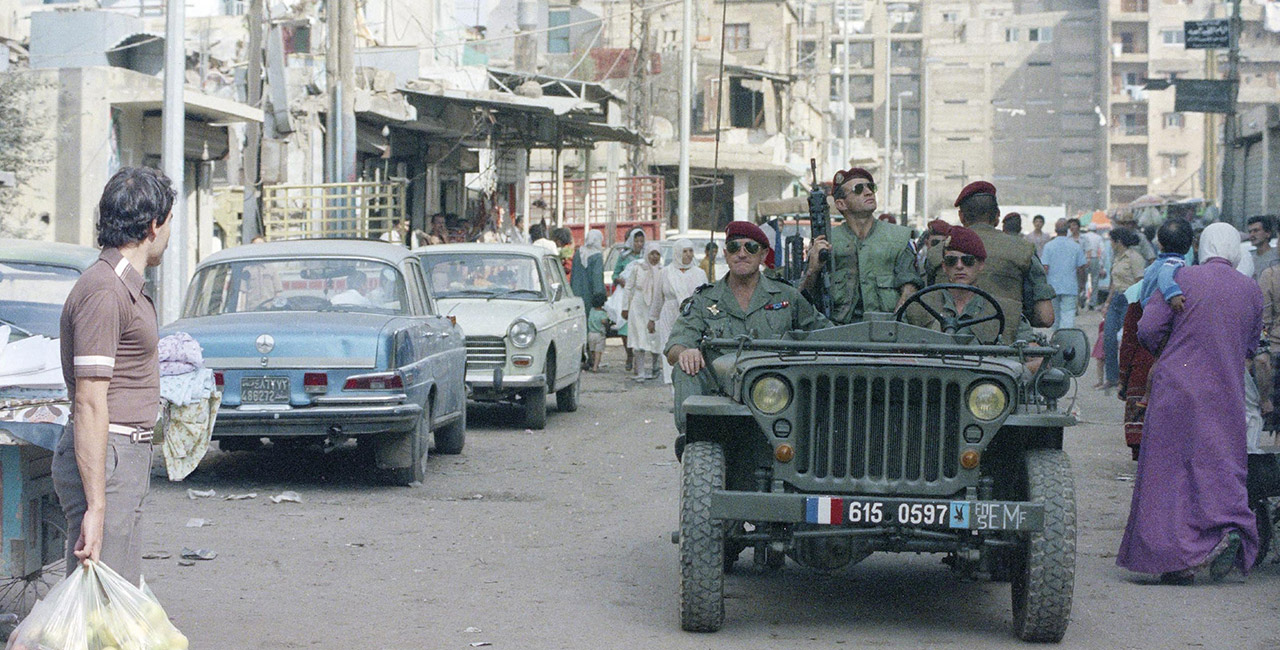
(770, 394)
(522, 333)
(987, 400)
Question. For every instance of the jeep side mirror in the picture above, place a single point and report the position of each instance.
(1073, 351)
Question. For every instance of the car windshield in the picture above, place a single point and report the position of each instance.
(323, 284)
(31, 295)
(483, 275)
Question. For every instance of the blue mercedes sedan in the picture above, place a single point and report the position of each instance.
(329, 340)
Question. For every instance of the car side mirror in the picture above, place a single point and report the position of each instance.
(1073, 351)
(557, 291)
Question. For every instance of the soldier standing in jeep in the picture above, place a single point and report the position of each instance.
(743, 302)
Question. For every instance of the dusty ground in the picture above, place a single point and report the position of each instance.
(561, 539)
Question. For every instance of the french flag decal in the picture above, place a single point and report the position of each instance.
(824, 510)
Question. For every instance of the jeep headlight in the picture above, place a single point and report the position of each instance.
(987, 400)
(522, 333)
(770, 394)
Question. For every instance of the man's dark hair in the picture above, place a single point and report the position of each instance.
(1266, 222)
(1175, 236)
(1038, 217)
(133, 199)
(1013, 223)
(562, 236)
(597, 301)
(979, 208)
(1127, 237)
(1073, 222)
(536, 232)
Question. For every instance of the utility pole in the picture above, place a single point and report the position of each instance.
(888, 95)
(173, 115)
(347, 70)
(638, 85)
(684, 196)
(844, 93)
(250, 173)
(1231, 129)
(340, 74)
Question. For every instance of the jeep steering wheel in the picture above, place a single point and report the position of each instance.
(949, 324)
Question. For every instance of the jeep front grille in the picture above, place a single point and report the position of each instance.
(873, 428)
(486, 352)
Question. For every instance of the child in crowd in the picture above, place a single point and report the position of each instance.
(1175, 240)
(597, 326)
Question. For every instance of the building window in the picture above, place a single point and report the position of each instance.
(737, 36)
(1011, 34)
(1172, 36)
(1174, 162)
(850, 10)
(1040, 34)
(1174, 120)
(1133, 6)
(558, 34)
(951, 17)
(861, 88)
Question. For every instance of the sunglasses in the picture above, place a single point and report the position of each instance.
(967, 260)
(732, 247)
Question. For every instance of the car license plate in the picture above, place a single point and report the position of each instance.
(264, 390)
(937, 514)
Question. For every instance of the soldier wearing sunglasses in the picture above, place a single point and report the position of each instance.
(874, 263)
(742, 302)
(963, 261)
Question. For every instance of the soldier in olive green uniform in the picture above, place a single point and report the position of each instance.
(874, 264)
(1013, 271)
(743, 302)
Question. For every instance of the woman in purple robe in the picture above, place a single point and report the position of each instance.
(1190, 508)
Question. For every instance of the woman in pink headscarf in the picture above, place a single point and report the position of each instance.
(677, 281)
(643, 288)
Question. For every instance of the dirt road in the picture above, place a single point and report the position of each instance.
(561, 539)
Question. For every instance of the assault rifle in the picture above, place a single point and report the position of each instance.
(819, 226)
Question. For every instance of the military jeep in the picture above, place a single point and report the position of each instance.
(881, 436)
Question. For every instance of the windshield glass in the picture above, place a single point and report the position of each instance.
(483, 275)
(326, 284)
(31, 295)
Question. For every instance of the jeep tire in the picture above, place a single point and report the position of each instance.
(702, 552)
(1044, 568)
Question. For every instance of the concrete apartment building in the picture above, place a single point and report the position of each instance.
(1154, 149)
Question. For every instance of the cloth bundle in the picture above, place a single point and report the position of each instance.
(191, 404)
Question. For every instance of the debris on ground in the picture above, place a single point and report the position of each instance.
(472, 630)
(240, 497)
(1128, 478)
(157, 555)
(198, 554)
(286, 496)
(200, 494)
(198, 523)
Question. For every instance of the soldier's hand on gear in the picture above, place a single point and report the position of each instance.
(819, 244)
(652, 327)
(691, 361)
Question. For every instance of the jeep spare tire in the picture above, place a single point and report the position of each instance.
(701, 539)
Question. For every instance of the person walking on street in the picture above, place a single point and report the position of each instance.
(1126, 269)
(102, 465)
(1038, 236)
(708, 263)
(874, 265)
(1261, 230)
(587, 277)
(1190, 507)
(642, 291)
(1091, 242)
(1012, 223)
(1064, 264)
(677, 281)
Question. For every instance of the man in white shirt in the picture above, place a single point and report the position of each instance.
(354, 294)
(395, 234)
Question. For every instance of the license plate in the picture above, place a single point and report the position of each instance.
(976, 515)
(264, 390)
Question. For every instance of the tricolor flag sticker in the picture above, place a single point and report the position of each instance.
(824, 510)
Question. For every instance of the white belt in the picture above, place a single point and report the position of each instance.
(135, 434)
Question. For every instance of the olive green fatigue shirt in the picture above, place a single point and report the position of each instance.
(869, 273)
(712, 311)
(1015, 328)
(1013, 270)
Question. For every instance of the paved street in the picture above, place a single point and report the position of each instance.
(561, 539)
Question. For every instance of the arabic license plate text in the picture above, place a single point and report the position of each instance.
(264, 390)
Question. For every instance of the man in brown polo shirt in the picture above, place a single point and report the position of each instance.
(102, 467)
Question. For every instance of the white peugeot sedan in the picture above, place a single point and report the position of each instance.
(525, 330)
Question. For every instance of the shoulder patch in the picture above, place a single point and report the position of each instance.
(700, 289)
(686, 307)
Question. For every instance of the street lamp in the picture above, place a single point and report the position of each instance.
(898, 149)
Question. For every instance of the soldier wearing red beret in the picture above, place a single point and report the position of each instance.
(964, 259)
(873, 260)
(1012, 270)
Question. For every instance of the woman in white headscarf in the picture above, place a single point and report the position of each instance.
(643, 278)
(677, 281)
(1190, 509)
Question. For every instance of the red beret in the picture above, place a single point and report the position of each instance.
(967, 241)
(1012, 215)
(746, 229)
(976, 187)
(939, 227)
(843, 176)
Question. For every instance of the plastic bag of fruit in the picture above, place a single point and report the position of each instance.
(96, 609)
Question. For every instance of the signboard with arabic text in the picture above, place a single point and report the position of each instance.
(1207, 34)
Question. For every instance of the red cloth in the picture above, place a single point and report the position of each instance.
(1135, 366)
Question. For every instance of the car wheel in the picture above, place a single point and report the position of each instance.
(451, 437)
(416, 441)
(1044, 571)
(701, 539)
(567, 397)
(535, 408)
